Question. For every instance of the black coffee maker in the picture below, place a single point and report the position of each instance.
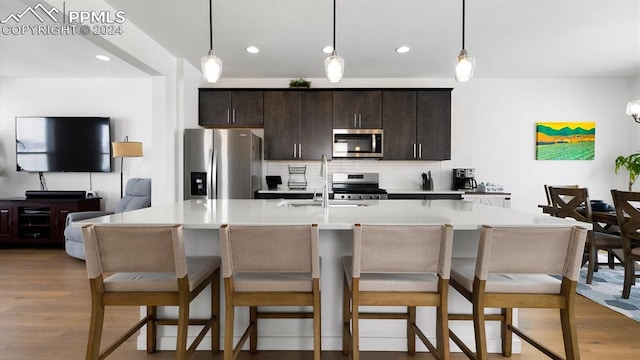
(464, 179)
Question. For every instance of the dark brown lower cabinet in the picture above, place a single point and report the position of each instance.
(38, 221)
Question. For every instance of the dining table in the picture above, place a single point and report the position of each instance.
(607, 217)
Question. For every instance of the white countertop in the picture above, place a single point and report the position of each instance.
(420, 191)
(210, 214)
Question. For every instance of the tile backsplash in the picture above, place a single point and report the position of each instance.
(393, 174)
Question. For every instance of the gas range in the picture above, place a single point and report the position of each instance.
(357, 186)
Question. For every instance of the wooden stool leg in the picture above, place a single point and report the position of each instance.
(95, 330)
(215, 311)
(253, 340)
(506, 333)
(442, 322)
(479, 319)
(411, 333)
(151, 329)
(228, 331)
(569, 333)
(346, 315)
(317, 321)
(183, 328)
(355, 320)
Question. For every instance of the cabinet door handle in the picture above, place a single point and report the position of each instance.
(420, 151)
(414, 151)
(295, 151)
(228, 116)
(234, 116)
(360, 120)
(355, 120)
(300, 151)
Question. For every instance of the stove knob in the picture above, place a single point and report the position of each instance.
(360, 197)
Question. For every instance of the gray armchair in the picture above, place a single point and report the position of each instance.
(137, 195)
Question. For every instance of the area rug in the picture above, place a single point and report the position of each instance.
(606, 289)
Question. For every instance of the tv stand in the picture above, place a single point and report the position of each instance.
(25, 221)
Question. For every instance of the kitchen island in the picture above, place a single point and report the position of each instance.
(201, 220)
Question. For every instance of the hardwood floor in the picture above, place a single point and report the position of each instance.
(45, 307)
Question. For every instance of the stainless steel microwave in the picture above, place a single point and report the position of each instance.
(357, 143)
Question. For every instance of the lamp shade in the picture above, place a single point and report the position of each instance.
(633, 109)
(211, 67)
(334, 67)
(464, 66)
(126, 149)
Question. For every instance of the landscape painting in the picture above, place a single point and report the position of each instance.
(565, 140)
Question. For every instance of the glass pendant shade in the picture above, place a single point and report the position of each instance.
(211, 67)
(334, 67)
(464, 66)
(633, 109)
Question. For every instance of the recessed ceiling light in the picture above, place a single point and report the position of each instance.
(327, 49)
(103, 58)
(253, 50)
(403, 49)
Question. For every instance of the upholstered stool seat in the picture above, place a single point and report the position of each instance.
(147, 266)
(397, 265)
(520, 267)
(463, 270)
(274, 265)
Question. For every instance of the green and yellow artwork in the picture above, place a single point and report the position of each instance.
(565, 140)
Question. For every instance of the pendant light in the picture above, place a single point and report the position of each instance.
(211, 64)
(334, 64)
(464, 64)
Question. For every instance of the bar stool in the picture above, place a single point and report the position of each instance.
(512, 271)
(398, 265)
(147, 266)
(274, 265)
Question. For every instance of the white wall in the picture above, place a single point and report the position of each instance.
(126, 101)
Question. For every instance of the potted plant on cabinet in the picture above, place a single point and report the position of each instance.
(632, 164)
(300, 83)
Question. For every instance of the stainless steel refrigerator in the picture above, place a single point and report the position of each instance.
(222, 163)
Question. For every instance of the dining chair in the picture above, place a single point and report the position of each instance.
(627, 206)
(547, 192)
(273, 265)
(147, 266)
(520, 267)
(575, 203)
(397, 265)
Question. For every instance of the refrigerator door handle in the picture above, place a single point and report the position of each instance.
(212, 174)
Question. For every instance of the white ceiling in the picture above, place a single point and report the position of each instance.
(509, 38)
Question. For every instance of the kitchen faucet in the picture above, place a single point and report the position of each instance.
(324, 172)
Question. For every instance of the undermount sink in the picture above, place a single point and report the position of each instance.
(332, 203)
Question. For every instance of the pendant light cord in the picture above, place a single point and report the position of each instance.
(334, 25)
(463, 1)
(210, 26)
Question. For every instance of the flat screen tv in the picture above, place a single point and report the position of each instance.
(63, 144)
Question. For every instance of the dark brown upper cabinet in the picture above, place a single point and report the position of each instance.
(417, 124)
(357, 109)
(297, 124)
(434, 124)
(230, 108)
